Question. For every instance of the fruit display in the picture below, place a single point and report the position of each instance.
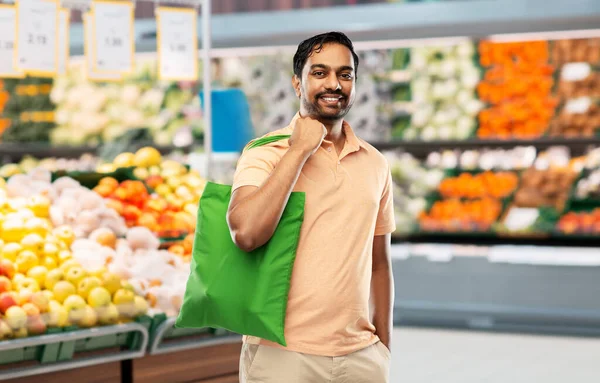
(85, 163)
(576, 51)
(170, 208)
(43, 286)
(589, 186)
(90, 113)
(131, 200)
(412, 185)
(578, 90)
(67, 202)
(548, 188)
(517, 85)
(454, 215)
(587, 223)
(486, 184)
(442, 90)
(27, 113)
(486, 159)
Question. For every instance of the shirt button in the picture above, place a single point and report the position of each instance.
(328, 149)
(339, 162)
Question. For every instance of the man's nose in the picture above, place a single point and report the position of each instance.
(333, 82)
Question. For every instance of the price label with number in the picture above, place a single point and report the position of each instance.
(92, 74)
(8, 23)
(37, 37)
(177, 44)
(114, 45)
(63, 40)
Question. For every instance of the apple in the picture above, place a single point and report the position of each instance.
(141, 306)
(5, 330)
(99, 296)
(7, 300)
(7, 268)
(36, 325)
(75, 274)
(11, 250)
(52, 278)
(62, 290)
(49, 294)
(5, 284)
(57, 315)
(16, 317)
(63, 256)
(28, 284)
(125, 302)
(49, 263)
(26, 260)
(108, 314)
(64, 234)
(97, 272)
(50, 250)
(87, 284)
(90, 317)
(40, 300)
(33, 242)
(30, 309)
(111, 282)
(21, 333)
(69, 263)
(38, 273)
(39, 226)
(75, 306)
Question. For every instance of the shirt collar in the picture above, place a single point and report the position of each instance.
(354, 142)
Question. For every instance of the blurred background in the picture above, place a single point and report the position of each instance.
(487, 110)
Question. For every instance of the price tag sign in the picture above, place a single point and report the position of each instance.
(92, 74)
(114, 44)
(63, 40)
(177, 44)
(37, 37)
(8, 26)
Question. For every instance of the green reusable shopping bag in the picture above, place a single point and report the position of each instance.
(246, 293)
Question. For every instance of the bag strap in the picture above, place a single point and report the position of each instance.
(267, 140)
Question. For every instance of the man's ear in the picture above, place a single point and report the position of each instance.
(296, 85)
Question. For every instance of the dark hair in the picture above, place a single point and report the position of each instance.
(315, 44)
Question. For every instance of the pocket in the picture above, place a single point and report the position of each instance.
(249, 354)
(386, 351)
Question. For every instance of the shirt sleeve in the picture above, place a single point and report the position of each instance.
(386, 222)
(254, 167)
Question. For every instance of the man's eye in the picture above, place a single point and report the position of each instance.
(319, 73)
(347, 76)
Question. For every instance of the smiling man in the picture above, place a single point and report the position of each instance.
(342, 261)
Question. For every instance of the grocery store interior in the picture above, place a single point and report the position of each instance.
(114, 115)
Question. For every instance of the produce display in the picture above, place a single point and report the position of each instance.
(545, 188)
(90, 113)
(517, 85)
(26, 111)
(42, 284)
(589, 186)
(587, 223)
(413, 184)
(85, 163)
(576, 50)
(454, 215)
(487, 159)
(486, 184)
(442, 91)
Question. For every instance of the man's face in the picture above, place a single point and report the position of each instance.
(327, 86)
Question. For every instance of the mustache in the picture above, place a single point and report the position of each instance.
(335, 92)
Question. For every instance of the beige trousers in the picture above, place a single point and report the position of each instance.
(264, 364)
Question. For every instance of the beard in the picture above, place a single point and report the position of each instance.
(327, 113)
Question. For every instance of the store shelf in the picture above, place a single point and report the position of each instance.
(478, 293)
(161, 343)
(14, 152)
(71, 346)
(490, 240)
(421, 149)
(380, 22)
